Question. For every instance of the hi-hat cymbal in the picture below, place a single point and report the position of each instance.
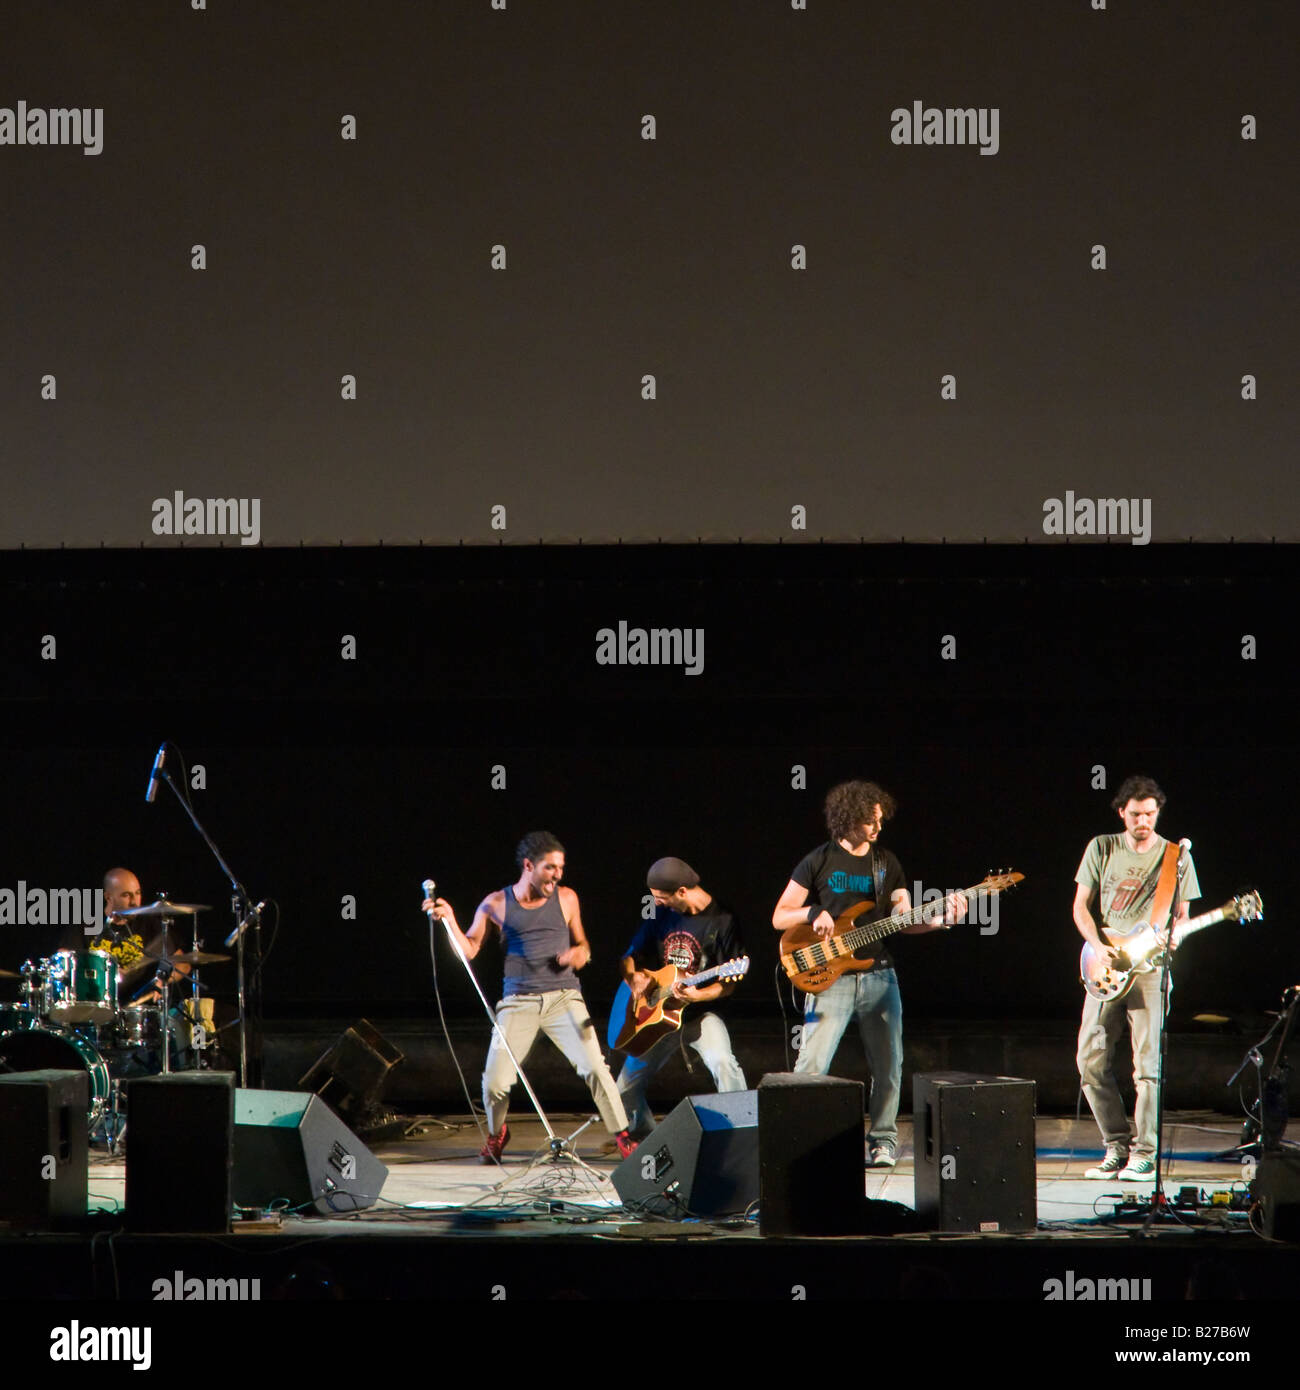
(197, 958)
(162, 908)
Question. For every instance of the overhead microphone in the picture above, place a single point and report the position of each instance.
(158, 763)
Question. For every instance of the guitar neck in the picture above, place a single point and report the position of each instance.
(702, 978)
(1206, 919)
(875, 931)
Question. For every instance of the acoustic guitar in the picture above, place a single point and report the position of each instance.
(635, 1025)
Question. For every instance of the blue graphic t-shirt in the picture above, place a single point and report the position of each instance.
(838, 880)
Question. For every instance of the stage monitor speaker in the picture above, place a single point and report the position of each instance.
(701, 1161)
(810, 1147)
(179, 1141)
(44, 1149)
(293, 1150)
(973, 1138)
(1276, 1186)
(350, 1077)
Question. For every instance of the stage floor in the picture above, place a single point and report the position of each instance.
(437, 1182)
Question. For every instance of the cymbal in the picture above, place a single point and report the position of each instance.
(197, 958)
(162, 908)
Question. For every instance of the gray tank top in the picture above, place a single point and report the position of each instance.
(533, 937)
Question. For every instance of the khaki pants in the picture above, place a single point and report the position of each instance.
(1100, 1033)
(563, 1016)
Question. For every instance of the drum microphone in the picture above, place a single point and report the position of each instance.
(153, 775)
(253, 912)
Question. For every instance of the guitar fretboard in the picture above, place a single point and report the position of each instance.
(875, 931)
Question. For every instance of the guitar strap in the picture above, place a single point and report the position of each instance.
(1164, 895)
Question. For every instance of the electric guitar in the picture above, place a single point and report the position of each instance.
(635, 1025)
(1141, 945)
(814, 963)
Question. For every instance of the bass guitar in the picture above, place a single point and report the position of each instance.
(814, 963)
(635, 1025)
(1141, 945)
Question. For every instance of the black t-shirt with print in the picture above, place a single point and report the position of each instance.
(691, 943)
(837, 880)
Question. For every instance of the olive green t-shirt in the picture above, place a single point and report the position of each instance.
(1125, 881)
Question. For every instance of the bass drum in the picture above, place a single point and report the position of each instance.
(36, 1049)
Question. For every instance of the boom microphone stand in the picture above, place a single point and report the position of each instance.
(558, 1151)
(245, 914)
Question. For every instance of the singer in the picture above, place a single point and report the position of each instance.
(1124, 870)
(541, 933)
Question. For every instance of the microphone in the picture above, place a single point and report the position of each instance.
(158, 763)
(1184, 849)
(428, 886)
(234, 935)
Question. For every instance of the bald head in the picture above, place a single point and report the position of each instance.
(121, 890)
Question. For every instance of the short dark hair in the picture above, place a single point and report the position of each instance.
(1138, 789)
(537, 844)
(851, 804)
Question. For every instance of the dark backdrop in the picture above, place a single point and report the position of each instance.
(328, 777)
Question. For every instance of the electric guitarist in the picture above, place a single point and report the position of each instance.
(1135, 877)
(692, 931)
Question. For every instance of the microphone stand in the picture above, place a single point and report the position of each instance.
(240, 906)
(1159, 1203)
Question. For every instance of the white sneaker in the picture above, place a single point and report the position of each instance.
(1110, 1166)
(1138, 1170)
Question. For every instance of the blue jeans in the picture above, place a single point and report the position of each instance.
(714, 1048)
(872, 996)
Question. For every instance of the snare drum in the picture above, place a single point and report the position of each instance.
(81, 987)
(36, 1049)
(139, 1025)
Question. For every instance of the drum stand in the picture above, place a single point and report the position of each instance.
(111, 1120)
(562, 1168)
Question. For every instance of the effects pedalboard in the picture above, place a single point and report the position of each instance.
(1190, 1200)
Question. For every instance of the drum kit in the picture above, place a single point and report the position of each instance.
(71, 1014)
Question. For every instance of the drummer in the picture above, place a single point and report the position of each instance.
(121, 892)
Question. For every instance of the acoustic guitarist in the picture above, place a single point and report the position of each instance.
(849, 869)
(692, 931)
(1124, 871)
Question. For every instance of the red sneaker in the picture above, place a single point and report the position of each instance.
(626, 1144)
(491, 1151)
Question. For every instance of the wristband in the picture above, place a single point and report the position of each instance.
(814, 912)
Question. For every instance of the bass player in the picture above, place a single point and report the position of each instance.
(848, 869)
